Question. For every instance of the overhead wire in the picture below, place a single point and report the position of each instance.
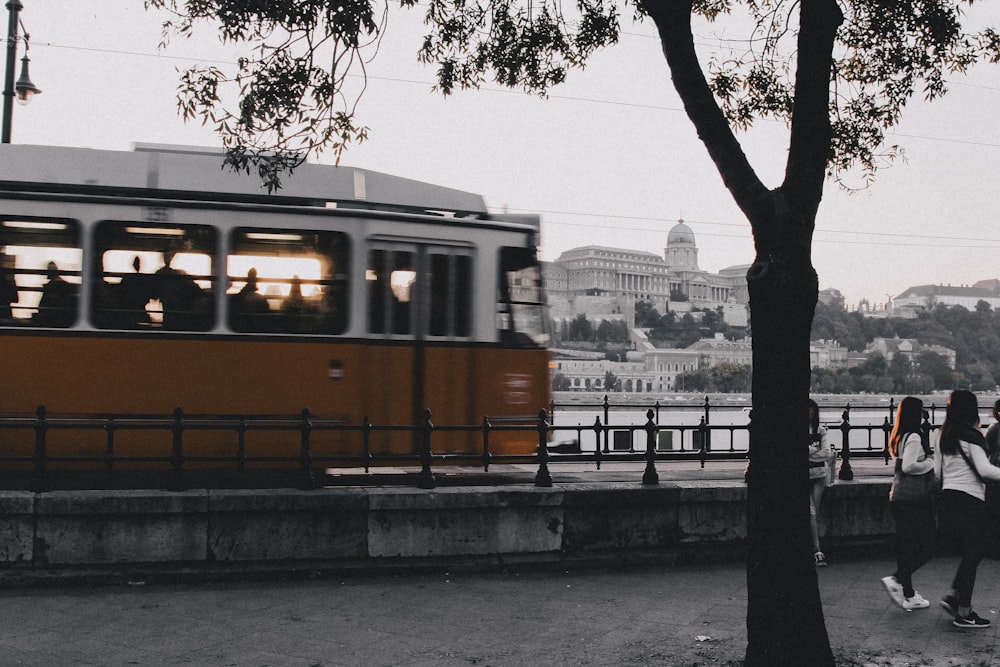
(892, 239)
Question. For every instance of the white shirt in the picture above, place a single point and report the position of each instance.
(915, 460)
(958, 476)
(819, 452)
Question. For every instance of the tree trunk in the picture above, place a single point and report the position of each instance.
(785, 623)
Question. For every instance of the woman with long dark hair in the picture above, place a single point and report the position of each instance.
(819, 457)
(963, 468)
(911, 501)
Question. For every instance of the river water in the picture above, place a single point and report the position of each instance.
(728, 416)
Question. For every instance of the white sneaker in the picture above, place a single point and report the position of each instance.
(894, 589)
(917, 601)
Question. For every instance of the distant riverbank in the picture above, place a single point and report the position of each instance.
(826, 401)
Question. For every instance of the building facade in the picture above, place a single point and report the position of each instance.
(650, 369)
(925, 297)
(672, 281)
(909, 348)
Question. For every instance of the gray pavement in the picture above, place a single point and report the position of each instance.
(692, 615)
(582, 472)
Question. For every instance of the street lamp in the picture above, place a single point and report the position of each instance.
(23, 89)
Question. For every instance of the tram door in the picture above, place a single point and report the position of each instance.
(419, 324)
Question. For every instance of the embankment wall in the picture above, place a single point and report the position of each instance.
(236, 533)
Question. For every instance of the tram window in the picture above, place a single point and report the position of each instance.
(154, 276)
(521, 316)
(287, 281)
(450, 284)
(40, 261)
(392, 277)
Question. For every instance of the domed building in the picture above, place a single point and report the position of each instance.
(681, 252)
(700, 288)
(607, 282)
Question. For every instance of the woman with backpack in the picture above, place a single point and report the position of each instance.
(963, 468)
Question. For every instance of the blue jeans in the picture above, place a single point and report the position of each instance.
(816, 488)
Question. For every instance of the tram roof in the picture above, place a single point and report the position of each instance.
(184, 171)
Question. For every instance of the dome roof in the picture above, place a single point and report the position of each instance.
(680, 233)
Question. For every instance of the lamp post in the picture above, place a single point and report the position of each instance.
(23, 89)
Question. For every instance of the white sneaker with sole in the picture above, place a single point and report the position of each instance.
(894, 589)
(917, 601)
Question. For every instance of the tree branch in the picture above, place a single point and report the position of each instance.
(809, 147)
(673, 22)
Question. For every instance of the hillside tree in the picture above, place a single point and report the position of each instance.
(837, 72)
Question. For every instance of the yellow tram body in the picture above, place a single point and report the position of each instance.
(373, 298)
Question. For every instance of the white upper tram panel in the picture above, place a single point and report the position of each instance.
(182, 169)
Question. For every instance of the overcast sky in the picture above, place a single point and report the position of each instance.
(608, 159)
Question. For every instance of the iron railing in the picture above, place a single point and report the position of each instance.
(591, 444)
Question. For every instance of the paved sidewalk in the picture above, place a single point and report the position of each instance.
(644, 616)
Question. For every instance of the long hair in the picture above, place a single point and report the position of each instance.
(908, 417)
(961, 419)
(814, 419)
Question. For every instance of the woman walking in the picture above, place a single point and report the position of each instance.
(963, 467)
(819, 457)
(911, 501)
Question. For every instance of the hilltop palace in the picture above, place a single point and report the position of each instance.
(605, 283)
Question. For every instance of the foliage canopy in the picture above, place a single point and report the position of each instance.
(295, 91)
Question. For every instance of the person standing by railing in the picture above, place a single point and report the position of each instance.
(911, 501)
(819, 457)
(993, 435)
(993, 488)
(964, 467)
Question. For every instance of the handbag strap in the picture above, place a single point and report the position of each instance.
(965, 456)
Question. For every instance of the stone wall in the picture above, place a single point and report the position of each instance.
(226, 531)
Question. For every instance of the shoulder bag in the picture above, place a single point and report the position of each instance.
(912, 488)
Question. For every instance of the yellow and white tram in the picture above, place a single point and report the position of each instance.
(138, 282)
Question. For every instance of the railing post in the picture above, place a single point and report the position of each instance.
(703, 436)
(650, 476)
(109, 452)
(305, 449)
(925, 428)
(40, 482)
(177, 451)
(846, 473)
(366, 432)
(487, 427)
(886, 430)
(241, 443)
(426, 478)
(606, 422)
(543, 477)
(706, 443)
(597, 434)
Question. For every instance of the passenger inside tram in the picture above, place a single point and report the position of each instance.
(250, 309)
(182, 301)
(8, 286)
(131, 296)
(294, 303)
(57, 307)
